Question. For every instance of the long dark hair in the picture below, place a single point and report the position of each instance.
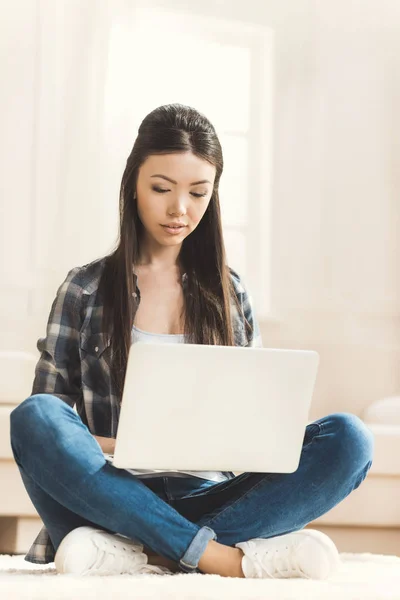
(208, 290)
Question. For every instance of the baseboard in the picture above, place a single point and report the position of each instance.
(376, 540)
(18, 533)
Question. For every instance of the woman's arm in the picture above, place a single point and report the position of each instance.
(245, 300)
(58, 370)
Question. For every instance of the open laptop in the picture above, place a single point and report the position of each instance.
(216, 408)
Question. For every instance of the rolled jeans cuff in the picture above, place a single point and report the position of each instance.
(190, 560)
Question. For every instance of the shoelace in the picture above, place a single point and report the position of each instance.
(108, 561)
(116, 561)
(269, 562)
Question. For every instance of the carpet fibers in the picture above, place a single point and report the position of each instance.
(360, 577)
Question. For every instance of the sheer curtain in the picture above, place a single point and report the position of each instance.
(55, 187)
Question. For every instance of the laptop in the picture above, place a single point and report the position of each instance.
(216, 408)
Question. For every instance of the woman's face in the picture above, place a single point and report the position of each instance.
(173, 190)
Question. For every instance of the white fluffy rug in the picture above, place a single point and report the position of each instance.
(361, 577)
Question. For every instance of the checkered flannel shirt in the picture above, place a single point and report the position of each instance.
(75, 361)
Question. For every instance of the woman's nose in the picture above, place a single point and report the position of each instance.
(178, 207)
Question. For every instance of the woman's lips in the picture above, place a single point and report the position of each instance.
(173, 230)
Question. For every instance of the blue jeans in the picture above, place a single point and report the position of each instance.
(71, 484)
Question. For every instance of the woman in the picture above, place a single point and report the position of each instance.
(166, 280)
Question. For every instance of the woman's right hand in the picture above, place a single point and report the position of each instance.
(106, 444)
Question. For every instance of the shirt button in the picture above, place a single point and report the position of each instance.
(96, 349)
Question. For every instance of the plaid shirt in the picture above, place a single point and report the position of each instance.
(75, 361)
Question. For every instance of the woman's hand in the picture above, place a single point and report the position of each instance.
(106, 444)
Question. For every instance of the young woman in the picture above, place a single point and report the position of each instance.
(166, 280)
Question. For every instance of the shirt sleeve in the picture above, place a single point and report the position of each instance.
(254, 339)
(58, 371)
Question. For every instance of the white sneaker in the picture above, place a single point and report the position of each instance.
(306, 553)
(90, 551)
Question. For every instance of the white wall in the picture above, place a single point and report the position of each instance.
(335, 253)
(336, 197)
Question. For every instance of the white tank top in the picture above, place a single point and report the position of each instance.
(149, 338)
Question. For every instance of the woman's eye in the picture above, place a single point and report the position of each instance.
(162, 191)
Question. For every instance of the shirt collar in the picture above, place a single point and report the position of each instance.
(184, 279)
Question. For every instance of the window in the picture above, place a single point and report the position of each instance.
(223, 69)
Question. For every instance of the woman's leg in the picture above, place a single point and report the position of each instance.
(335, 459)
(58, 520)
(53, 447)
